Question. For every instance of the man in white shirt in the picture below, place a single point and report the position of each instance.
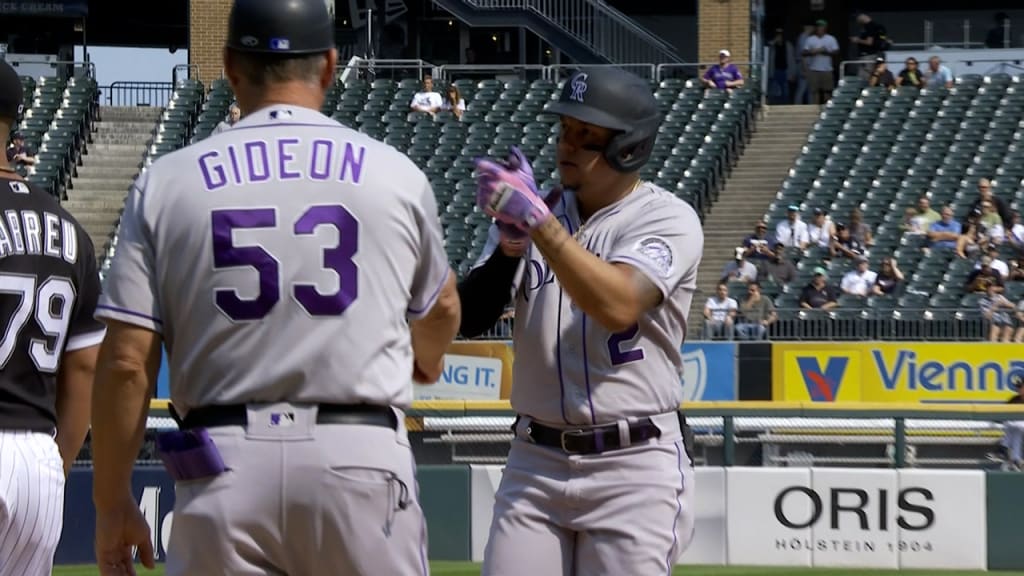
(792, 232)
(819, 49)
(996, 264)
(720, 315)
(859, 281)
(821, 229)
(739, 270)
(427, 100)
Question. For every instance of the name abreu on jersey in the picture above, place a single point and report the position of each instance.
(36, 232)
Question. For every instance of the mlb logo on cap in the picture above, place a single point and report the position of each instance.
(280, 44)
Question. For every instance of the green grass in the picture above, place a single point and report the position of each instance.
(469, 569)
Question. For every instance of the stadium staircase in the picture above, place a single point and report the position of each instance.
(588, 31)
(112, 162)
(781, 134)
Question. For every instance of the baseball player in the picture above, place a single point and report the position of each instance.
(295, 271)
(598, 480)
(49, 285)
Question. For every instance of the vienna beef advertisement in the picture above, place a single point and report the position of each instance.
(824, 517)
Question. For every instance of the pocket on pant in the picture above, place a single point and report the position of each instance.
(373, 495)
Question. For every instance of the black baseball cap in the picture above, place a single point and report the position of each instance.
(11, 99)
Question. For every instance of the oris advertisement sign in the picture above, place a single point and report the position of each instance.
(856, 518)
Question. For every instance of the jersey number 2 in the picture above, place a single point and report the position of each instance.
(619, 356)
(51, 305)
(226, 254)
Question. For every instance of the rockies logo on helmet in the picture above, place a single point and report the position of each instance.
(579, 87)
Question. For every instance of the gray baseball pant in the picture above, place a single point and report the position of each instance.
(626, 512)
(302, 499)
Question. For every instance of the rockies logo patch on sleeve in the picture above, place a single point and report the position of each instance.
(657, 252)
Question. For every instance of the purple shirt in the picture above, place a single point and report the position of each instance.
(720, 75)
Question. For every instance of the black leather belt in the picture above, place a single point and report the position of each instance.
(591, 440)
(237, 415)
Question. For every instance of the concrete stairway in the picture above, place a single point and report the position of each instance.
(748, 191)
(97, 193)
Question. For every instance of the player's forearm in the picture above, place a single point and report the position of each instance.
(74, 402)
(485, 292)
(432, 334)
(602, 290)
(124, 385)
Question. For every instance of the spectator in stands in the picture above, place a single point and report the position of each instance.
(781, 55)
(889, 280)
(910, 75)
(427, 100)
(724, 75)
(802, 93)
(820, 49)
(18, 152)
(756, 314)
(821, 230)
(1015, 234)
(454, 102)
(872, 40)
(739, 270)
(971, 241)
(860, 231)
(924, 215)
(844, 245)
(984, 277)
(945, 232)
(819, 294)
(938, 74)
(793, 231)
(1016, 266)
(997, 36)
(779, 270)
(758, 246)
(860, 281)
(985, 195)
(234, 115)
(999, 312)
(720, 315)
(880, 75)
(996, 262)
(991, 223)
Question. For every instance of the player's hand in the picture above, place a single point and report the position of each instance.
(119, 531)
(507, 192)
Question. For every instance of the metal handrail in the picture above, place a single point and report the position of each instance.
(188, 68)
(649, 71)
(371, 66)
(446, 69)
(592, 22)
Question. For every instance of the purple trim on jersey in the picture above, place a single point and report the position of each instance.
(128, 312)
(433, 297)
(558, 334)
(586, 373)
(679, 509)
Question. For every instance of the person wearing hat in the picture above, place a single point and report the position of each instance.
(860, 281)
(820, 49)
(881, 75)
(17, 152)
(844, 244)
(793, 231)
(781, 56)
(821, 229)
(779, 270)
(819, 294)
(724, 75)
(758, 246)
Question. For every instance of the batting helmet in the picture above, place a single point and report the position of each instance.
(617, 100)
(293, 27)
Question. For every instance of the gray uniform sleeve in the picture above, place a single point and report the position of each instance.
(130, 290)
(433, 268)
(665, 245)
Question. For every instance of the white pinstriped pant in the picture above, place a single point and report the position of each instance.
(31, 503)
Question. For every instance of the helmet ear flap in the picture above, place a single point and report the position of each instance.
(629, 151)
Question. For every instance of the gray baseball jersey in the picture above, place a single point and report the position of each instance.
(280, 261)
(571, 370)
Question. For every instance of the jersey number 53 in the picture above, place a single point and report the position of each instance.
(339, 259)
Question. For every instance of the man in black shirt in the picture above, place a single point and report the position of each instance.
(872, 40)
(819, 295)
(49, 285)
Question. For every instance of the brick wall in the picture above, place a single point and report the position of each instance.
(723, 24)
(208, 25)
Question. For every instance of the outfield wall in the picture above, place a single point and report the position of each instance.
(835, 517)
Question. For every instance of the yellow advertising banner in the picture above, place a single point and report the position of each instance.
(896, 372)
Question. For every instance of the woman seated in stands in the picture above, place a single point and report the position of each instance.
(889, 279)
(910, 75)
(971, 241)
(453, 102)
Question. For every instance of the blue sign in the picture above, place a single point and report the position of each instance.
(709, 371)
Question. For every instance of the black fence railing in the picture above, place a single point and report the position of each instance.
(131, 93)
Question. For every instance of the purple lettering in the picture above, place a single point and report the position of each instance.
(350, 161)
(212, 170)
(233, 156)
(323, 153)
(264, 161)
(284, 158)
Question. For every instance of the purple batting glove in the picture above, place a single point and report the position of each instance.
(554, 196)
(510, 196)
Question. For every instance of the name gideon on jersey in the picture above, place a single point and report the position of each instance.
(28, 232)
(261, 161)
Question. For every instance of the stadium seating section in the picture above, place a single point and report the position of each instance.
(701, 137)
(880, 151)
(56, 123)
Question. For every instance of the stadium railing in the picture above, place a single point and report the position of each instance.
(769, 434)
(131, 93)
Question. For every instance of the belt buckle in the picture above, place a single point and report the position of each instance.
(577, 432)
